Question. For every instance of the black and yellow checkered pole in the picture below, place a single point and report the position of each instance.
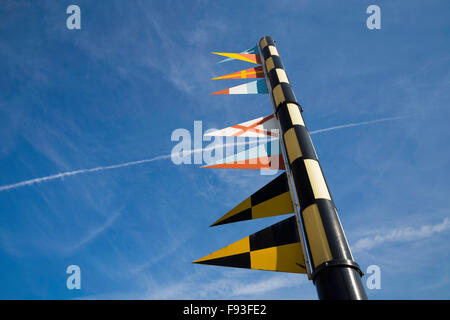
(332, 268)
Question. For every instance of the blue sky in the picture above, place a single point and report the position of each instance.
(113, 92)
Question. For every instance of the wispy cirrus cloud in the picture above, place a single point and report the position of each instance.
(401, 235)
(226, 287)
(270, 284)
(230, 284)
(94, 233)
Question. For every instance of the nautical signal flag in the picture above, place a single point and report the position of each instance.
(257, 72)
(248, 57)
(275, 248)
(271, 200)
(256, 128)
(253, 50)
(254, 87)
(263, 156)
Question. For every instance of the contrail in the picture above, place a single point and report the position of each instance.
(167, 156)
(101, 168)
(72, 173)
(357, 124)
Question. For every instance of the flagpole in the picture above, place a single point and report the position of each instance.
(331, 265)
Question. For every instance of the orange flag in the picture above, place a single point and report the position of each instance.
(251, 73)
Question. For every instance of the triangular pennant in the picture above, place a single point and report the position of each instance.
(254, 87)
(276, 248)
(248, 57)
(251, 73)
(251, 50)
(271, 200)
(256, 128)
(263, 156)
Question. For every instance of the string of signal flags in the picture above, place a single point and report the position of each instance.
(311, 240)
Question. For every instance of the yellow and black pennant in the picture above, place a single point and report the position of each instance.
(276, 248)
(271, 200)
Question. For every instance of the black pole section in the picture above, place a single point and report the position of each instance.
(334, 272)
